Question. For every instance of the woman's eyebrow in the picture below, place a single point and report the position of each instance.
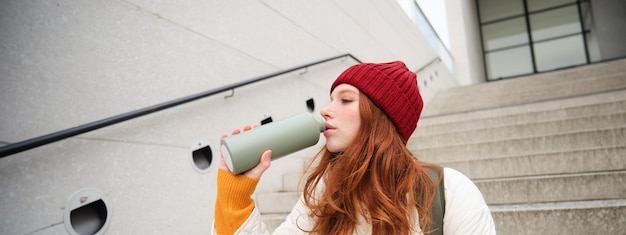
(343, 91)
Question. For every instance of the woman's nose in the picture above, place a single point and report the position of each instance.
(325, 112)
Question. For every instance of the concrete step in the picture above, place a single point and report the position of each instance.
(544, 79)
(427, 126)
(525, 90)
(567, 162)
(525, 130)
(554, 188)
(565, 75)
(272, 221)
(579, 101)
(529, 189)
(581, 140)
(486, 97)
(583, 217)
(293, 182)
(506, 197)
(276, 203)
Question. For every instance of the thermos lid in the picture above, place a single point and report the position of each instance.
(320, 122)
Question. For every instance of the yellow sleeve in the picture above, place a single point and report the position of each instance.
(234, 203)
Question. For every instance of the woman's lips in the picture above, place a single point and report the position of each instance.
(329, 129)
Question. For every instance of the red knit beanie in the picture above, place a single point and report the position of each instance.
(392, 87)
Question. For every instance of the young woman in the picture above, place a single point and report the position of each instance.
(366, 181)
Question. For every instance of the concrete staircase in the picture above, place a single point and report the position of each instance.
(547, 151)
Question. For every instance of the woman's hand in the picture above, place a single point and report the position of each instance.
(258, 170)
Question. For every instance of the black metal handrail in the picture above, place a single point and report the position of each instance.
(60, 135)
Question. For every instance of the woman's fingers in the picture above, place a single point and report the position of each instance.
(235, 132)
(258, 170)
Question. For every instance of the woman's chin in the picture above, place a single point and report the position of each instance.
(334, 148)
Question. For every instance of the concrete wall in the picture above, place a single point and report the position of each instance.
(607, 28)
(68, 62)
(465, 44)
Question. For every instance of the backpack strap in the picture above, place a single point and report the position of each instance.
(438, 207)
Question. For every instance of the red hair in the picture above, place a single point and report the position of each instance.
(375, 178)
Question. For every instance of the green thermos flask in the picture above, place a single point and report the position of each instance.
(243, 151)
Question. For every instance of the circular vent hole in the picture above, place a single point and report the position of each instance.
(89, 219)
(202, 158)
(86, 212)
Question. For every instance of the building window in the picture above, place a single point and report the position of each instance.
(522, 37)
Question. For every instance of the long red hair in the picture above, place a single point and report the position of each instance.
(375, 178)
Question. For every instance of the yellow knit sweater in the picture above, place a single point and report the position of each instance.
(234, 203)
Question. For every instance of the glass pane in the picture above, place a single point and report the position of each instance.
(508, 63)
(560, 53)
(505, 34)
(555, 23)
(497, 9)
(535, 5)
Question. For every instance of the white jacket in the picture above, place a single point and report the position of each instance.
(466, 213)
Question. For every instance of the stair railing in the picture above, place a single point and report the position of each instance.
(63, 134)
